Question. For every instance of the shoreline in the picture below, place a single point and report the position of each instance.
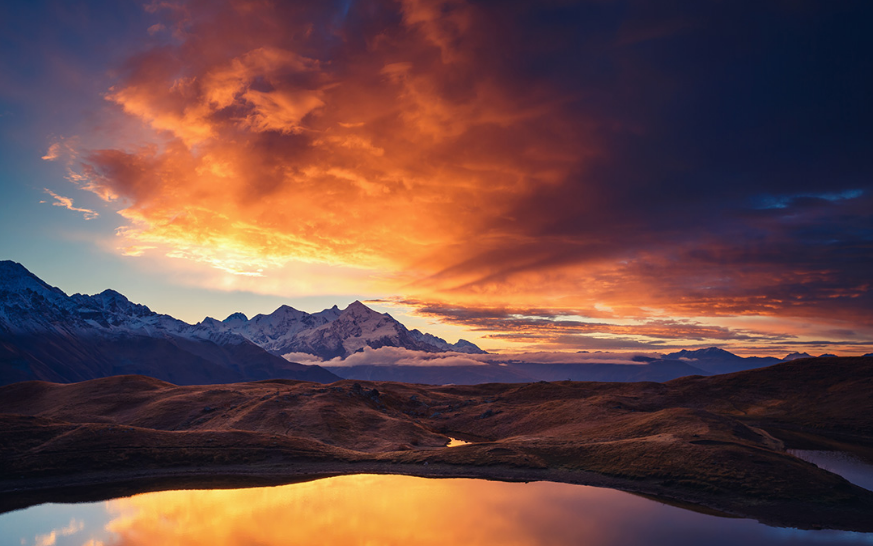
(716, 444)
(106, 485)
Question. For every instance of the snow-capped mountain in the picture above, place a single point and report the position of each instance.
(45, 334)
(357, 327)
(796, 355)
(332, 333)
(462, 346)
(276, 332)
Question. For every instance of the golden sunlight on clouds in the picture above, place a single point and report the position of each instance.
(268, 156)
(445, 153)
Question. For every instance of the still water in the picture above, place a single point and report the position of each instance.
(391, 510)
(845, 464)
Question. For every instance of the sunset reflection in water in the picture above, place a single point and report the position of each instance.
(393, 510)
(363, 509)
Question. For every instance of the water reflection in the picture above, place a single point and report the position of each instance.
(399, 510)
(454, 442)
(844, 464)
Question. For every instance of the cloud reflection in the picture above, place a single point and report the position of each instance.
(400, 510)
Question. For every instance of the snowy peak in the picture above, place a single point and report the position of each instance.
(795, 356)
(462, 346)
(27, 304)
(210, 322)
(358, 312)
(359, 320)
(333, 332)
(329, 315)
(274, 332)
(287, 311)
(55, 337)
(356, 327)
(16, 280)
(110, 301)
(359, 326)
(235, 318)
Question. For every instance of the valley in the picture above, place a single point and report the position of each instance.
(718, 443)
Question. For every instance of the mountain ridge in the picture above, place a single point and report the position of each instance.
(331, 333)
(46, 334)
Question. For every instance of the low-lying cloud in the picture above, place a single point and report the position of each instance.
(399, 356)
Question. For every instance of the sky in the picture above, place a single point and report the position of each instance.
(608, 175)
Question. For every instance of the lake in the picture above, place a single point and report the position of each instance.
(392, 510)
(845, 464)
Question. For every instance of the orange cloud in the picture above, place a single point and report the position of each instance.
(275, 157)
(53, 152)
(443, 150)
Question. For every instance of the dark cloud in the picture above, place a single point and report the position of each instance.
(621, 160)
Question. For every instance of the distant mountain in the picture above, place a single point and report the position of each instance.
(462, 346)
(275, 332)
(434, 375)
(658, 371)
(519, 372)
(358, 326)
(795, 356)
(718, 361)
(331, 333)
(710, 361)
(47, 335)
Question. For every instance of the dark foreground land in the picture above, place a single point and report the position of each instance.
(709, 443)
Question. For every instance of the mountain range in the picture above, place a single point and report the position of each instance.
(332, 333)
(704, 362)
(519, 372)
(47, 335)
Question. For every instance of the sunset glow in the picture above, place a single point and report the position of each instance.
(532, 176)
(395, 510)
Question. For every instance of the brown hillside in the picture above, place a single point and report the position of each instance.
(717, 442)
